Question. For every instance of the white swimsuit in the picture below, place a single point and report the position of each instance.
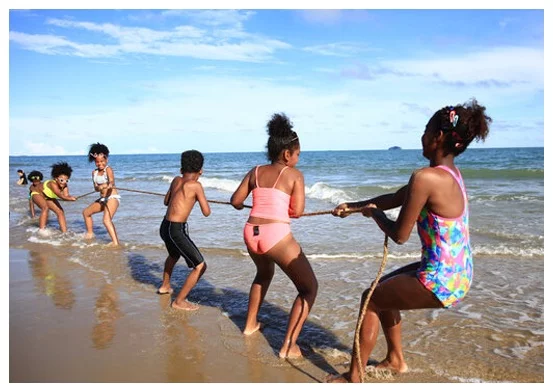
(103, 179)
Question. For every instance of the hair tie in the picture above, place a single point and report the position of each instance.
(453, 118)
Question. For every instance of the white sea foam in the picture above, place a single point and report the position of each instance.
(77, 260)
(514, 250)
(222, 184)
(322, 191)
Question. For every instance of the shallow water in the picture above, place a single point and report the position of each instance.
(496, 334)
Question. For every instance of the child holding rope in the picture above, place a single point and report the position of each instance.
(435, 198)
(35, 191)
(103, 180)
(52, 190)
(183, 193)
(278, 194)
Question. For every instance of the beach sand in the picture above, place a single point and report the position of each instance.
(71, 324)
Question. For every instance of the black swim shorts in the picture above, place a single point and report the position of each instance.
(178, 243)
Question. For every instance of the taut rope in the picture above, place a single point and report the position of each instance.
(350, 210)
(163, 194)
(86, 194)
(364, 310)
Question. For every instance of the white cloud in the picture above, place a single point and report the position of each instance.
(335, 16)
(511, 65)
(339, 49)
(222, 114)
(231, 43)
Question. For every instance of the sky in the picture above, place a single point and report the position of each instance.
(166, 80)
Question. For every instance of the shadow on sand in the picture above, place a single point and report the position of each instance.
(235, 303)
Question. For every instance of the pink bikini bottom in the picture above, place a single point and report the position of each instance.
(261, 238)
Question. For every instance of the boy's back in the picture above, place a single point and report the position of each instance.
(180, 198)
(182, 195)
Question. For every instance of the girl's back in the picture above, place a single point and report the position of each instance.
(267, 176)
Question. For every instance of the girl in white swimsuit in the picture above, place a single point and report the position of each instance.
(103, 180)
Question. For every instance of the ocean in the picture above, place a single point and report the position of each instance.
(496, 334)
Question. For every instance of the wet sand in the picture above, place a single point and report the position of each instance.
(68, 324)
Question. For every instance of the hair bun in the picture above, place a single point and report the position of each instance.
(279, 126)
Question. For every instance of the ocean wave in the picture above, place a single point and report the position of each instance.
(222, 184)
(506, 250)
(525, 197)
(322, 191)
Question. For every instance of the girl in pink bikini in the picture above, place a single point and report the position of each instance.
(278, 193)
(436, 200)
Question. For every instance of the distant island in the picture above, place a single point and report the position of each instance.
(394, 148)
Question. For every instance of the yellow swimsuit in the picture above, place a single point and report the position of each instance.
(48, 192)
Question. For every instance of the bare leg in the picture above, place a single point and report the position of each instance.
(391, 326)
(41, 202)
(367, 340)
(165, 287)
(180, 302)
(109, 212)
(265, 272)
(55, 206)
(402, 291)
(291, 259)
(87, 215)
(31, 208)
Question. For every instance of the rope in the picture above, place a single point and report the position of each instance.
(350, 210)
(162, 194)
(86, 194)
(146, 192)
(364, 309)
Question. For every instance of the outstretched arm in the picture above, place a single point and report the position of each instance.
(417, 193)
(61, 193)
(202, 201)
(168, 194)
(297, 197)
(241, 193)
(111, 177)
(384, 202)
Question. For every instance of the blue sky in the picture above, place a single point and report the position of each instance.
(162, 81)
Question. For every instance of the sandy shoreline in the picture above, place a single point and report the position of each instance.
(68, 324)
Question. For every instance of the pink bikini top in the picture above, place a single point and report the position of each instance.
(270, 203)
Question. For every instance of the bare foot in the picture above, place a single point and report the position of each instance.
(340, 378)
(163, 290)
(184, 305)
(113, 245)
(395, 368)
(89, 236)
(248, 331)
(291, 352)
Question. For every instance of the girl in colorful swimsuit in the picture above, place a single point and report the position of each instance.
(103, 181)
(53, 190)
(35, 191)
(278, 195)
(436, 199)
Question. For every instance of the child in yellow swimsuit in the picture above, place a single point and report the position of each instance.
(54, 189)
(35, 190)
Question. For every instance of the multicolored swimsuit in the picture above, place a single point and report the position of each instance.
(446, 260)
